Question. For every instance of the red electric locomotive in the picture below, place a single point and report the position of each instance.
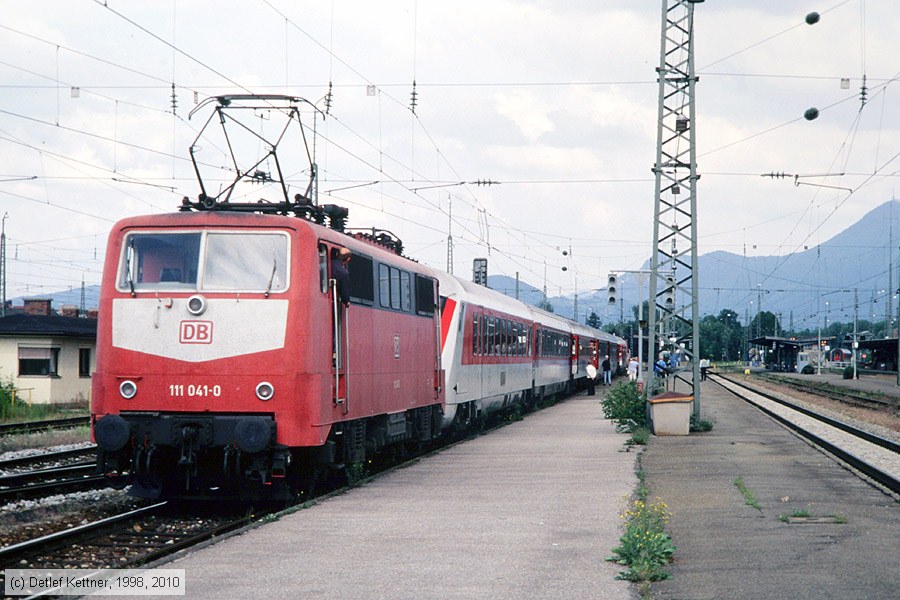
(226, 363)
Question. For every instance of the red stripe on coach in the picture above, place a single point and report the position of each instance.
(446, 317)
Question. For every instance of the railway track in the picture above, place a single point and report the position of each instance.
(33, 426)
(873, 456)
(49, 473)
(126, 540)
(847, 395)
(40, 458)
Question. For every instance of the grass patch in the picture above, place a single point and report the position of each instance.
(645, 548)
(639, 436)
(699, 425)
(45, 439)
(749, 497)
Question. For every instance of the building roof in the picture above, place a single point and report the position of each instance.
(889, 344)
(47, 325)
(770, 341)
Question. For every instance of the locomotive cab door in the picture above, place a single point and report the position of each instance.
(340, 330)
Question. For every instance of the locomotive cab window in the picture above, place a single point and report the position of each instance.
(362, 286)
(425, 300)
(323, 268)
(238, 261)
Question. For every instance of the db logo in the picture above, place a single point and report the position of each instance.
(195, 332)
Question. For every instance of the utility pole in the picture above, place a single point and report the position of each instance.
(758, 310)
(855, 342)
(675, 199)
(3, 264)
(450, 236)
(889, 313)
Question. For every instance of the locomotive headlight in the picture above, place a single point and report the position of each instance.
(196, 305)
(265, 391)
(128, 389)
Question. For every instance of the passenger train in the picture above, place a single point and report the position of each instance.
(227, 366)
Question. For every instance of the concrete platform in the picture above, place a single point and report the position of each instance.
(729, 550)
(528, 511)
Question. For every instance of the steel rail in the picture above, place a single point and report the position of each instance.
(19, 549)
(875, 474)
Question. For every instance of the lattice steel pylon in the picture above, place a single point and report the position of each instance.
(674, 325)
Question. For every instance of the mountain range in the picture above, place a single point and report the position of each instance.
(811, 282)
(808, 283)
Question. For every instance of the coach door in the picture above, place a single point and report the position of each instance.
(573, 364)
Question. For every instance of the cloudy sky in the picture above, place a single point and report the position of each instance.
(555, 101)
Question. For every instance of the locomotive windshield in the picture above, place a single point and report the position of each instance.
(217, 261)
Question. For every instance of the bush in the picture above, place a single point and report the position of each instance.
(808, 370)
(625, 406)
(848, 372)
(7, 399)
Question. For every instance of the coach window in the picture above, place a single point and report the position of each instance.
(482, 332)
(475, 335)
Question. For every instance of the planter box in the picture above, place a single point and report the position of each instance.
(671, 413)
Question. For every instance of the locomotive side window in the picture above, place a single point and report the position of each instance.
(384, 288)
(405, 298)
(395, 288)
(424, 295)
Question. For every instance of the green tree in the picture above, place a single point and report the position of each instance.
(593, 320)
(720, 336)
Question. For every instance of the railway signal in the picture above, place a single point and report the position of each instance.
(612, 290)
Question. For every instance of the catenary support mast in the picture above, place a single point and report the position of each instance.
(674, 324)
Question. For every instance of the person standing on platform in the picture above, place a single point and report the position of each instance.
(633, 367)
(607, 372)
(704, 367)
(591, 376)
